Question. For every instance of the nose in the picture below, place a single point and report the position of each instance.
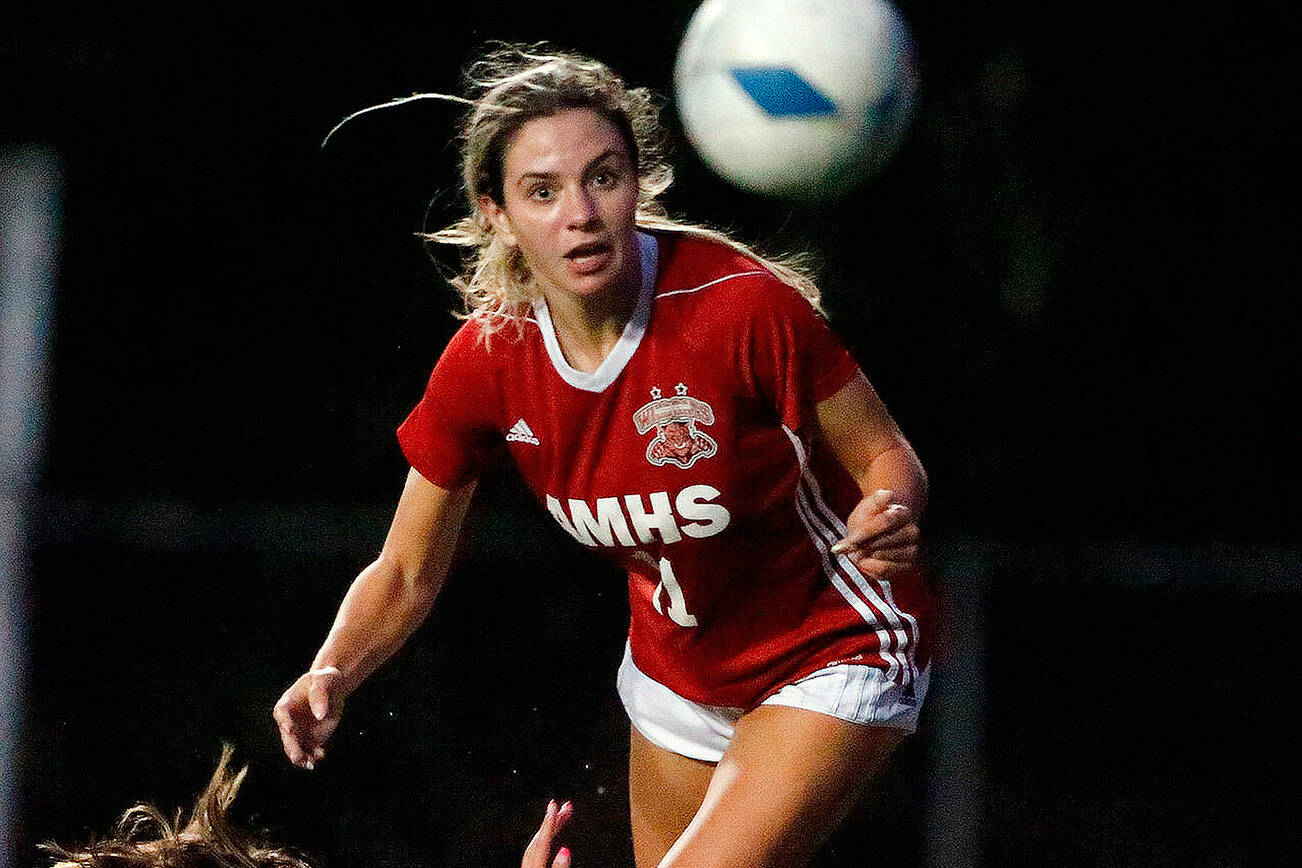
(581, 209)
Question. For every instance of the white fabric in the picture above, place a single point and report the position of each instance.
(629, 340)
(853, 692)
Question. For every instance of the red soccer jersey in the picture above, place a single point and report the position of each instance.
(689, 457)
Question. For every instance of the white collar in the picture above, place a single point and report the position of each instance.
(617, 359)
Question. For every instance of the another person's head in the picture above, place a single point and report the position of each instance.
(145, 838)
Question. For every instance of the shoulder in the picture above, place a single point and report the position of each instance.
(479, 354)
(700, 273)
(487, 340)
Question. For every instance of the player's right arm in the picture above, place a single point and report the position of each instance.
(383, 607)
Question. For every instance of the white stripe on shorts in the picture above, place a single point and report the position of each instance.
(849, 691)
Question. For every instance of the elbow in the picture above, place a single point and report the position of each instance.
(921, 483)
(924, 486)
(912, 483)
(408, 582)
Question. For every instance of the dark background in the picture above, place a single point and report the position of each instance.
(1071, 287)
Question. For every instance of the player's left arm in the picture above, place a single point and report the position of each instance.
(882, 531)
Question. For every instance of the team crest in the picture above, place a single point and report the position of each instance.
(674, 419)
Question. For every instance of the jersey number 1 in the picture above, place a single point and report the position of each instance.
(677, 604)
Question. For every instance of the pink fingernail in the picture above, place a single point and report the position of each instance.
(563, 853)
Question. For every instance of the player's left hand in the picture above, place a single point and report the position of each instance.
(881, 537)
(539, 851)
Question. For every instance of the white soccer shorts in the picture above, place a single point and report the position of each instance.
(853, 692)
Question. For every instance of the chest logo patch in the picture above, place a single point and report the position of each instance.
(678, 441)
(521, 433)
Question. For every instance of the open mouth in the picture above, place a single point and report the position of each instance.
(591, 257)
(592, 248)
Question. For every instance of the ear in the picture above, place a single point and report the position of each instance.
(499, 219)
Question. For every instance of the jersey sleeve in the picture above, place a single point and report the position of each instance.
(449, 434)
(795, 358)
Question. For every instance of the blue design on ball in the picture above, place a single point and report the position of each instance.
(781, 92)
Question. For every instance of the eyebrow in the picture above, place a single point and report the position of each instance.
(549, 176)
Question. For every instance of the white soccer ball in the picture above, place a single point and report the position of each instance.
(796, 98)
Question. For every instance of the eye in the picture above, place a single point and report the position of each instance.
(605, 179)
(541, 192)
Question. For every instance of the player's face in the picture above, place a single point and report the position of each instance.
(569, 196)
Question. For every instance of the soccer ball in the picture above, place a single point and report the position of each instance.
(799, 99)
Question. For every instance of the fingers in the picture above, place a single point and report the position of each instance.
(554, 821)
(900, 547)
(879, 568)
(289, 741)
(881, 537)
(904, 536)
(544, 832)
(536, 855)
(320, 690)
(295, 749)
(563, 815)
(307, 714)
(298, 747)
(896, 555)
(290, 733)
(878, 522)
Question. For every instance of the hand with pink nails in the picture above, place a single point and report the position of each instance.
(539, 851)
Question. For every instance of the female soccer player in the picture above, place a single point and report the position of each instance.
(677, 402)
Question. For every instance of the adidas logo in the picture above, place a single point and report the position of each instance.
(520, 432)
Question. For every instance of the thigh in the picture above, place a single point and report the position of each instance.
(665, 790)
(787, 779)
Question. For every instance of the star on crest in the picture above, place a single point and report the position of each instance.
(680, 389)
(655, 392)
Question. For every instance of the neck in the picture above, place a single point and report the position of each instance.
(587, 329)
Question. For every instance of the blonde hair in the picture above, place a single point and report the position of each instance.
(147, 839)
(511, 85)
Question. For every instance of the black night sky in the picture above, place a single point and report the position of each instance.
(1070, 285)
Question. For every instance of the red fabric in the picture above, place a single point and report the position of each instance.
(729, 357)
(451, 432)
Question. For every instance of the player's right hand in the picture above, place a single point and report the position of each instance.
(308, 712)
